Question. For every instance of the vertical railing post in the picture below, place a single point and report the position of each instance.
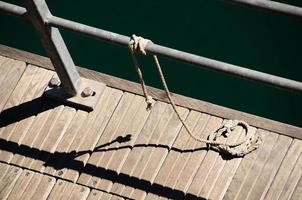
(54, 45)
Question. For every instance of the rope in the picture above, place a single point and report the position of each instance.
(138, 44)
(239, 149)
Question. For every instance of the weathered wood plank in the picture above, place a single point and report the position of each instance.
(3, 70)
(21, 185)
(224, 179)
(159, 154)
(192, 164)
(8, 181)
(81, 134)
(95, 195)
(121, 130)
(56, 161)
(58, 190)
(40, 138)
(34, 90)
(250, 166)
(154, 142)
(79, 192)
(3, 169)
(270, 169)
(211, 166)
(134, 127)
(15, 99)
(297, 195)
(292, 180)
(180, 147)
(143, 140)
(16, 69)
(259, 163)
(284, 171)
(150, 135)
(53, 138)
(108, 105)
(106, 139)
(44, 188)
(32, 186)
(31, 135)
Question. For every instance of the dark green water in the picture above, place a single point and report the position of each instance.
(239, 35)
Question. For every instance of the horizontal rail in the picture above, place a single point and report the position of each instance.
(185, 57)
(272, 6)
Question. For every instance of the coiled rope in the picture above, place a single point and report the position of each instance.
(251, 141)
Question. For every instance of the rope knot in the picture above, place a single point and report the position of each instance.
(138, 44)
(251, 141)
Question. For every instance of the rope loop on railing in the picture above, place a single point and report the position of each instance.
(251, 140)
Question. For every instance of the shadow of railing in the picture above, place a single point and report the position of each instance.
(25, 110)
(60, 160)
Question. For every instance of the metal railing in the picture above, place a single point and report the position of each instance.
(47, 26)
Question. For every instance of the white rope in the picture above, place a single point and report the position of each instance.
(252, 140)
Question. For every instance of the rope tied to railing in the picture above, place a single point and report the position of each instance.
(251, 140)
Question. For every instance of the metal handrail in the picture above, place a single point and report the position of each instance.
(151, 48)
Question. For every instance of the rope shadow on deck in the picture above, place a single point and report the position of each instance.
(59, 160)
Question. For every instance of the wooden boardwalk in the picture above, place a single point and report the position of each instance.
(122, 151)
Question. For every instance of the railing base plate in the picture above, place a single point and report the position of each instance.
(78, 101)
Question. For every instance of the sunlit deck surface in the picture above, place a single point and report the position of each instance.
(122, 151)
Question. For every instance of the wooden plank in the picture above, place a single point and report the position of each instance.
(151, 141)
(250, 166)
(193, 162)
(68, 189)
(95, 195)
(133, 125)
(297, 195)
(14, 100)
(32, 134)
(173, 158)
(126, 186)
(106, 196)
(293, 180)
(21, 185)
(89, 177)
(107, 106)
(210, 163)
(44, 188)
(58, 190)
(285, 169)
(209, 159)
(11, 80)
(100, 195)
(32, 186)
(186, 102)
(34, 90)
(40, 138)
(3, 70)
(224, 179)
(79, 192)
(159, 154)
(142, 140)
(8, 181)
(3, 169)
(57, 159)
(55, 133)
(79, 136)
(132, 112)
(270, 169)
